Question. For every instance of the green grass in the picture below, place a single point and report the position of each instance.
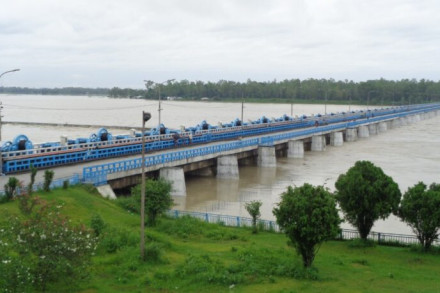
(187, 255)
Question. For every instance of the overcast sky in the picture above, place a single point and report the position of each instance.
(106, 43)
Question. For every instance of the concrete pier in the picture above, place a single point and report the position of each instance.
(395, 123)
(176, 176)
(403, 121)
(382, 127)
(372, 129)
(266, 156)
(227, 167)
(318, 143)
(106, 191)
(295, 149)
(351, 134)
(363, 131)
(336, 139)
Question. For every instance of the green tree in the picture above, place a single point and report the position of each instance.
(11, 187)
(33, 174)
(253, 208)
(365, 194)
(308, 216)
(420, 209)
(157, 198)
(48, 177)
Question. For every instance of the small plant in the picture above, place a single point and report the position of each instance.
(253, 208)
(26, 203)
(48, 177)
(11, 187)
(65, 184)
(33, 174)
(97, 224)
(154, 253)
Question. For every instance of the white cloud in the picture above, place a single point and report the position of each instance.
(114, 43)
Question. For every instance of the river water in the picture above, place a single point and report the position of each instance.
(408, 154)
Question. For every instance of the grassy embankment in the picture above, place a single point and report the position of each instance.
(191, 256)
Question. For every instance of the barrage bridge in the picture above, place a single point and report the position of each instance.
(222, 158)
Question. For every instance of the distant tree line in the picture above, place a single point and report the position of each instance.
(68, 91)
(406, 91)
(381, 91)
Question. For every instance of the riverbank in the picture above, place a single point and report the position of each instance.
(193, 256)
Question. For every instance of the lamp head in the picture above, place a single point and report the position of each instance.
(146, 116)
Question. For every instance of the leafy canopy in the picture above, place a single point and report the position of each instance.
(157, 198)
(420, 209)
(253, 208)
(365, 194)
(308, 216)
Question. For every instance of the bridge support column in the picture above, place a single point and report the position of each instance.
(63, 140)
(395, 123)
(106, 191)
(382, 127)
(318, 143)
(295, 149)
(336, 139)
(227, 167)
(351, 134)
(267, 156)
(372, 129)
(363, 131)
(403, 121)
(177, 178)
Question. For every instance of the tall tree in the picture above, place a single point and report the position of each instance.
(157, 198)
(420, 209)
(365, 194)
(308, 216)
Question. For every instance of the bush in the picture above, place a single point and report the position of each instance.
(113, 240)
(48, 247)
(48, 177)
(65, 184)
(253, 208)
(11, 187)
(97, 224)
(154, 253)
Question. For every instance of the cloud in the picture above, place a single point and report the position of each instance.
(113, 43)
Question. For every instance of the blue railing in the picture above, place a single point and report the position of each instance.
(90, 174)
(346, 234)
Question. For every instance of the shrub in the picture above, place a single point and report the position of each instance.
(97, 224)
(49, 247)
(48, 177)
(154, 253)
(253, 208)
(11, 187)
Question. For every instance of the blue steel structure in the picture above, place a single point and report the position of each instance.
(18, 155)
(97, 174)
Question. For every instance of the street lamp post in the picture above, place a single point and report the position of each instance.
(160, 100)
(1, 107)
(9, 71)
(368, 98)
(145, 117)
(159, 109)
